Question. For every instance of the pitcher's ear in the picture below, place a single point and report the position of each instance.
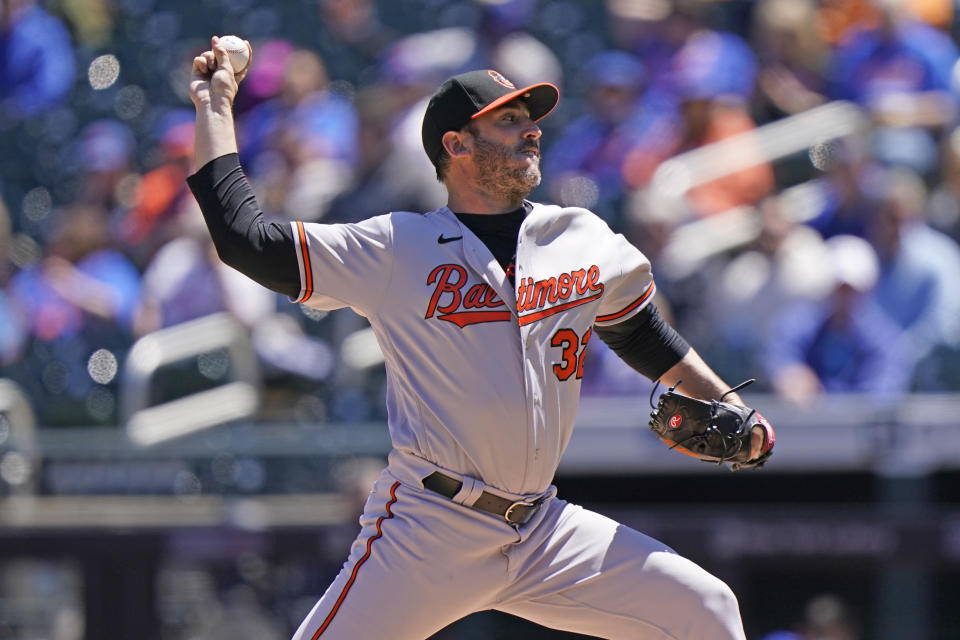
(455, 143)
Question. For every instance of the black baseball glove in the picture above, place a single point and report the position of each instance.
(713, 431)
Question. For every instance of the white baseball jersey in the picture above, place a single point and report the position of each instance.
(483, 381)
(483, 375)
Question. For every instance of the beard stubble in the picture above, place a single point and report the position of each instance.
(498, 170)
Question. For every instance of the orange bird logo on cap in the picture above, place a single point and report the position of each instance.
(499, 79)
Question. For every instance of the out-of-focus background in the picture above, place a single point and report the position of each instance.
(183, 454)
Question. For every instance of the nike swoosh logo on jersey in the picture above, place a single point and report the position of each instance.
(445, 240)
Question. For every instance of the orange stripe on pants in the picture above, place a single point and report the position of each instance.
(356, 568)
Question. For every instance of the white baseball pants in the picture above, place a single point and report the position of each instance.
(422, 561)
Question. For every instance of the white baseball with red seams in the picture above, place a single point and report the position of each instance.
(483, 384)
(238, 51)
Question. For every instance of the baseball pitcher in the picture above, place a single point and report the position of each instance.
(484, 309)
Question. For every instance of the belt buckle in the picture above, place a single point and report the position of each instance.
(520, 503)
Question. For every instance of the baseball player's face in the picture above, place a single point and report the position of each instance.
(506, 151)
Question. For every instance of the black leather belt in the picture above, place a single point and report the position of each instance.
(517, 513)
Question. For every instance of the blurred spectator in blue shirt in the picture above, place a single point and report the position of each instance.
(304, 110)
(918, 283)
(713, 78)
(81, 279)
(37, 64)
(714, 64)
(900, 58)
(300, 146)
(654, 30)
(80, 298)
(845, 344)
(584, 166)
(785, 264)
(846, 193)
(900, 71)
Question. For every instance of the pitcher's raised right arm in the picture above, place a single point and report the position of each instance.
(264, 251)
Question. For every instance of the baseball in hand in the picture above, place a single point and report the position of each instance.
(238, 51)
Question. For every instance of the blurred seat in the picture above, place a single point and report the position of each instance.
(237, 395)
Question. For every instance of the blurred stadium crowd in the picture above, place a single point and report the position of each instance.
(829, 266)
(831, 269)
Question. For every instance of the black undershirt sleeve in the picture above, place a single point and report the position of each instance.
(263, 251)
(646, 342)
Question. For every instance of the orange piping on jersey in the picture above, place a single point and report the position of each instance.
(630, 307)
(540, 315)
(307, 271)
(356, 568)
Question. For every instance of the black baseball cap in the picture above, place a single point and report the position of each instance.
(468, 95)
